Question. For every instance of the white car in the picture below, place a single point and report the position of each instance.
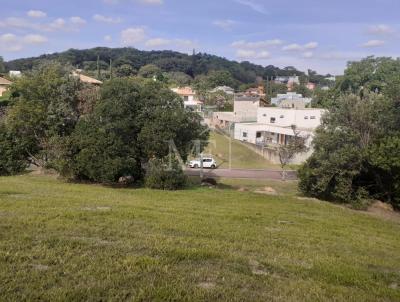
(208, 162)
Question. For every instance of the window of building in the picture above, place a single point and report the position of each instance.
(264, 115)
(244, 134)
(282, 116)
(312, 117)
(272, 120)
(258, 134)
(306, 117)
(186, 98)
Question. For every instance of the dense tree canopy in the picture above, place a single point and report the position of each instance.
(168, 61)
(356, 148)
(55, 121)
(135, 120)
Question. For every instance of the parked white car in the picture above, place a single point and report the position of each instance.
(208, 162)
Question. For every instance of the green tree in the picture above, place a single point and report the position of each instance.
(296, 144)
(341, 167)
(135, 120)
(125, 70)
(219, 99)
(2, 65)
(12, 156)
(150, 71)
(44, 105)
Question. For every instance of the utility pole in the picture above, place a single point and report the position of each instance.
(98, 67)
(110, 69)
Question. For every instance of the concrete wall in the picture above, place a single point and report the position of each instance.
(306, 118)
(247, 110)
(272, 155)
(3, 89)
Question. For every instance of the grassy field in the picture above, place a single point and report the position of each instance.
(242, 157)
(62, 241)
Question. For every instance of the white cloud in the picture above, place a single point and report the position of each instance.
(157, 42)
(178, 44)
(292, 47)
(108, 38)
(256, 45)
(132, 36)
(34, 39)
(311, 45)
(298, 48)
(253, 5)
(224, 24)
(380, 29)
(245, 54)
(36, 14)
(111, 20)
(59, 24)
(373, 43)
(146, 2)
(308, 54)
(13, 43)
(151, 2)
(77, 21)
(263, 55)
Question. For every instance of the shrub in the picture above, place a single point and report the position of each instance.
(165, 174)
(12, 157)
(209, 181)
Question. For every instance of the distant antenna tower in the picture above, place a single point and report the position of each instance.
(194, 52)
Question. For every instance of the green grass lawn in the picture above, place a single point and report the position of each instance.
(63, 241)
(242, 157)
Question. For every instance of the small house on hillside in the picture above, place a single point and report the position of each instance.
(86, 79)
(226, 89)
(291, 100)
(4, 85)
(189, 97)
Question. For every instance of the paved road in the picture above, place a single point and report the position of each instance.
(243, 173)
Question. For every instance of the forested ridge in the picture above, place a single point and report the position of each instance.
(129, 60)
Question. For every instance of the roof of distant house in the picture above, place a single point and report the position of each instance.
(87, 79)
(4, 81)
(184, 91)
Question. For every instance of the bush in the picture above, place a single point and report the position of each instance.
(12, 157)
(165, 174)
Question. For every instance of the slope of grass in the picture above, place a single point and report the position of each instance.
(61, 241)
(242, 157)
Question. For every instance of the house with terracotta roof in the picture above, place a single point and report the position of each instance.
(4, 85)
(86, 79)
(189, 97)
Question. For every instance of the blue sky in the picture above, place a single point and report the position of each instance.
(317, 34)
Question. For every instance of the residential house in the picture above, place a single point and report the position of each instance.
(291, 100)
(15, 73)
(244, 110)
(290, 81)
(311, 86)
(4, 85)
(86, 79)
(274, 127)
(226, 89)
(189, 97)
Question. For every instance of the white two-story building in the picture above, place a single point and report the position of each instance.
(274, 127)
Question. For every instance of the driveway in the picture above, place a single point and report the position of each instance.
(243, 173)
